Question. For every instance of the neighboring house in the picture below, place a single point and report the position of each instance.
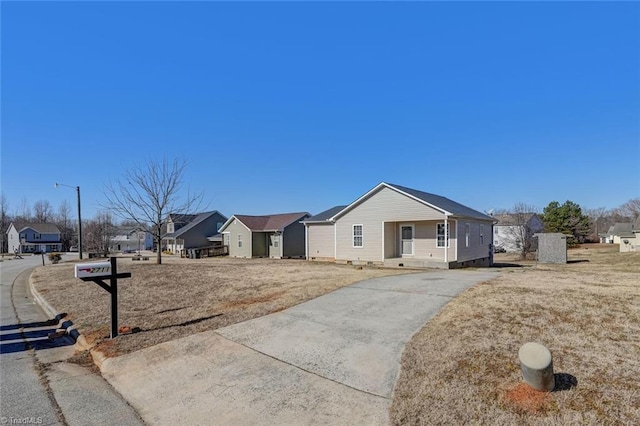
(630, 242)
(510, 229)
(398, 226)
(190, 231)
(617, 232)
(130, 239)
(276, 236)
(33, 238)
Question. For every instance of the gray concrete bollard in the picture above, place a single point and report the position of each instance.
(536, 365)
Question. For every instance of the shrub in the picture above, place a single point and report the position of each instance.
(54, 257)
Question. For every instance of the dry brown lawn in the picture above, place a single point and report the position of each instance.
(184, 296)
(462, 367)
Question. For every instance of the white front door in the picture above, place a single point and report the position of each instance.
(406, 242)
(274, 245)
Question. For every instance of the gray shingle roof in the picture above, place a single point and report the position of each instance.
(438, 201)
(43, 228)
(274, 222)
(196, 219)
(622, 229)
(326, 215)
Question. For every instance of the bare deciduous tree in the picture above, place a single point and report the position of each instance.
(147, 193)
(630, 209)
(516, 228)
(42, 211)
(97, 232)
(23, 212)
(597, 221)
(64, 220)
(4, 223)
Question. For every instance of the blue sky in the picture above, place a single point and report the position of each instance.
(302, 106)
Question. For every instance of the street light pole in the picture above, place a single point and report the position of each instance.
(79, 225)
(77, 188)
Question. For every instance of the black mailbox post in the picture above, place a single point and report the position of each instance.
(97, 272)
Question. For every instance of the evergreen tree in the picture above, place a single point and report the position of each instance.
(566, 219)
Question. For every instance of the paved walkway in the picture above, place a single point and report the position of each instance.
(333, 360)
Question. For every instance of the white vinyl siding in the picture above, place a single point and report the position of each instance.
(321, 241)
(358, 239)
(385, 205)
(391, 239)
(474, 250)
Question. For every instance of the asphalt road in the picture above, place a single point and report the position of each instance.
(37, 385)
(24, 395)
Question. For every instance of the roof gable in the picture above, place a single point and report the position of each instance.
(446, 206)
(439, 202)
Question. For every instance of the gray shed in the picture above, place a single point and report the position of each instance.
(552, 247)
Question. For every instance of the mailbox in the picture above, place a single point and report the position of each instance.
(98, 269)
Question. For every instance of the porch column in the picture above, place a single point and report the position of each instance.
(383, 242)
(446, 240)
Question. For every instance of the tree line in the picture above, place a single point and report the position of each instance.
(96, 232)
(141, 200)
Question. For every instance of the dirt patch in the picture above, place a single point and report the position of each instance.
(462, 367)
(527, 399)
(187, 296)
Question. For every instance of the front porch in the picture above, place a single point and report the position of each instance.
(172, 244)
(420, 243)
(49, 247)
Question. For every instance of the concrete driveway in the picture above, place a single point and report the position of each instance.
(331, 360)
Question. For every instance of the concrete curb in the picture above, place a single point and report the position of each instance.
(46, 306)
(67, 325)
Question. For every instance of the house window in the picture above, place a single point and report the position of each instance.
(357, 236)
(239, 240)
(481, 235)
(170, 228)
(275, 242)
(467, 232)
(36, 236)
(441, 235)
